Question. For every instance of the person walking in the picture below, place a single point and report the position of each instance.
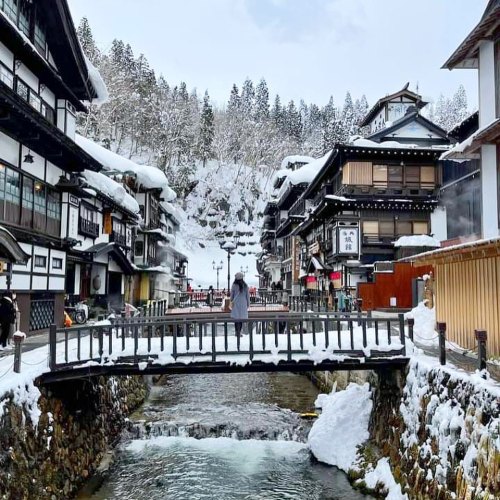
(240, 300)
(210, 297)
(7, 318)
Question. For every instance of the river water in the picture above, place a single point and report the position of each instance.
(223, 437)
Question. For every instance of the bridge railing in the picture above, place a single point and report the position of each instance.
(211, 338)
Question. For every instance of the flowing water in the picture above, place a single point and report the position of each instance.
(223, 437)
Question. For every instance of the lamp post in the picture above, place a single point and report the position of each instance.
(229, 247)
(217, 268)
(244, 271)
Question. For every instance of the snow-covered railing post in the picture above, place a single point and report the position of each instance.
(441, 328)
(402, 339)
(18, 341)
(481, 337)
(411, 324)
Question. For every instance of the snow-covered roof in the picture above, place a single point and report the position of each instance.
(420, 240)
(98, 83)
(366, 143)
(289, 160)
(112, 189)
(308, 172)
(148, 177)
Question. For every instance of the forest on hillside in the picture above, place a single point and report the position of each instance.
(218, 158)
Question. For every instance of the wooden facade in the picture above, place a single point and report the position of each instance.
(467, 291)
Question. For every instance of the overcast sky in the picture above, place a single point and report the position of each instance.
(307, 49)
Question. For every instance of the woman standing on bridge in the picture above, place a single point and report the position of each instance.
(240, 300)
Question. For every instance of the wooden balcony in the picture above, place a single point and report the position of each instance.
(88, 228)
(118, 238)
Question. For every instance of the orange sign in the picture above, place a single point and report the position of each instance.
(107, 223)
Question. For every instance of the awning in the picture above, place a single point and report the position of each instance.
(116, 253)
(10, 250)
(315, 264)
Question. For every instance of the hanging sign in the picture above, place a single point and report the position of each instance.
(348, 241)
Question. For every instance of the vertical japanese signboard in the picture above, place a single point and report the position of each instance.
(348, 240)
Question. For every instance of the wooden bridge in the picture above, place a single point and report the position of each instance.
(206, 343)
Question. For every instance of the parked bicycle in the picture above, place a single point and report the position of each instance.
(78, 314)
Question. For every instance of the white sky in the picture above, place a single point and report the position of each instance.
(308, 49)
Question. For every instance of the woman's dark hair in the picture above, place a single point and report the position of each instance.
(241, 284)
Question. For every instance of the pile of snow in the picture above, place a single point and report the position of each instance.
(98, 83)
(424, 330)
(307, 173)
(420, 240)
(366, 143)
(382, 475)
(111, 188)
(147, 177)
(290, 160)
(342, 426)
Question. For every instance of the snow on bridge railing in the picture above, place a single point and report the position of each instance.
(268, 338)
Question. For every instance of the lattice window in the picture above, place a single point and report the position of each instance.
(42, 313)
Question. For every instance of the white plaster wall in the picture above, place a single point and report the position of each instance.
(70, 125)
(53, 174)
(487, 112)
(37, 168)
(56, 284)
(9, 149)
(489, 190)
(78, 270)
(6, 56)
(40, 283)
(48, 96)
(415, 130)
(28, 77)
(58, 254)
(113, 266)
(438, 224)
(19, 282)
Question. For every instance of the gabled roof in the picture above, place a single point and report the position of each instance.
(116, 253)
(465, 128)
(465, 56)
(408, 118)
(10, 249)
(381, 102)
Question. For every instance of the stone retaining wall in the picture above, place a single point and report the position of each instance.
(79, 421)
(440, 430)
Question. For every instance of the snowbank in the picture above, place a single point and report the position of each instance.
(382, 474)
(147, 177)
(420, 240)
(424, 330)
(111, 188)
(342, 426)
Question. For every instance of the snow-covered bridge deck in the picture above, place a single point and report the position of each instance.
(274, 341)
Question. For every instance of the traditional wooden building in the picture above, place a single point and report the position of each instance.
(43, 80)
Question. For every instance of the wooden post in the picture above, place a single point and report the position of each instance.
(481, 337)
(18, 340)
(52, 346)
(402, 337)
(441, 327)
(411, 324)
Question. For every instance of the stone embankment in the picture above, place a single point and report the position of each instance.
(76, 424)
(440, 429)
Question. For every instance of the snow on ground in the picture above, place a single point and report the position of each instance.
(342, 426)
(382, 474)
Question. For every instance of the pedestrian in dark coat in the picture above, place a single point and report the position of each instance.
(7, 317)
(240, 299)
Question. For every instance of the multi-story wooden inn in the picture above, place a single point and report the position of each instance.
(368, 194)
(43, 81)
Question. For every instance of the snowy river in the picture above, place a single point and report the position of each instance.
(222, 437)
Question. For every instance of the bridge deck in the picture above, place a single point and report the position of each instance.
(206, 343)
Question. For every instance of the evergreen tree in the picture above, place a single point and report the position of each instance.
(87, 41)
(206, 129)
(247, 99)
(261, 101)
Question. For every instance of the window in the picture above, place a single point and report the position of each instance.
(2, 181)
(380, 175)
(40, 261)
(403, 228)
(420, 228)
(35, 101)
(40, 38)
(395, 175)
(386, 228)
(24, 17)
(427, 177)
(53, 204)
(370, 227)
(40, 198)
(139, 248)
(10, 8)
(27, 202)
(22, 89)
(412, 175)
(6, 76)
(88, 213)
(57, 263)
(12, 186)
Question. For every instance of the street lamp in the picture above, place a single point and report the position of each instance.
(244, 271)
(217, 268)
(229, 247)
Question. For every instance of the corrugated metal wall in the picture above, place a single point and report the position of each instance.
(468, 298)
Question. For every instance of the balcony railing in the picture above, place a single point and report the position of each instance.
(88, 228)
(27, 93)
(325, 190)
(377, 239)
(118, 238)
(298, 209)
